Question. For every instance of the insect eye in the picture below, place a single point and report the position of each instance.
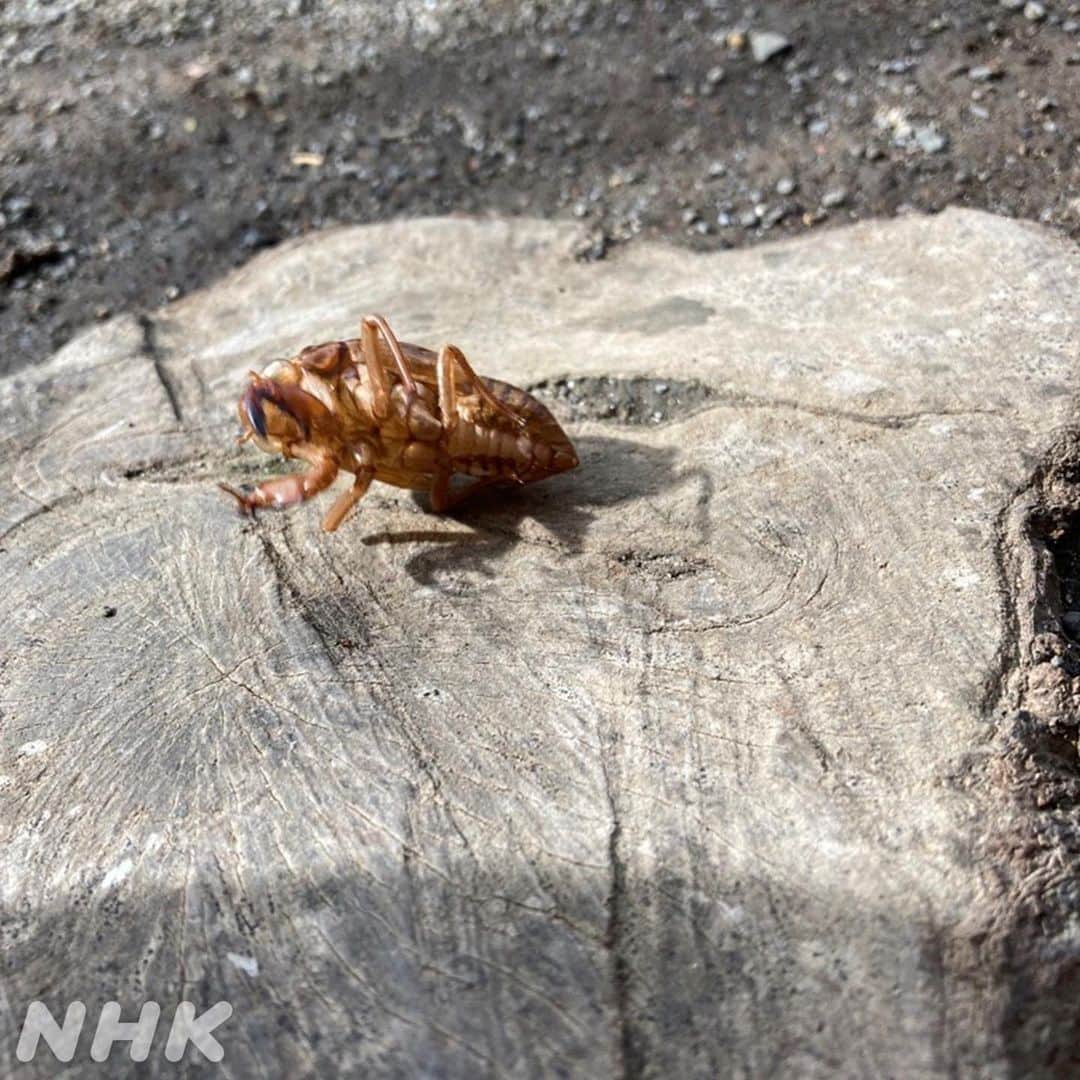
(277, 411)
(254, 412)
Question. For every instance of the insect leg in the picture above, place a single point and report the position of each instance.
(364, 470)
(380, 381)
(368, 328)
(285, 491)
(344, 503)
(451, 358)
(444, 373)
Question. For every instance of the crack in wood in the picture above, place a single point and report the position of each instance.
(632, 1057)
(152, 349)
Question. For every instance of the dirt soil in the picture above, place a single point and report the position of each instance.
(145, 150)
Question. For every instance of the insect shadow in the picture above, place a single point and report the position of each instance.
(612, 471)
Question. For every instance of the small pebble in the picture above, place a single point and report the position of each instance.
(774, 216)
(930, 140)
(551, 52)
(984, 73)
(253, 239)
(785, 185)
(766, 44)
(818, 127)
(832, 199)
(1034, 11)
(593, 248)
(18, 209)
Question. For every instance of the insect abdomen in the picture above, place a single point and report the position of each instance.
(523, 453)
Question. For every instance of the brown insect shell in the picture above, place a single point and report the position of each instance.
(405, 420)
(421, 415)
(341, 419)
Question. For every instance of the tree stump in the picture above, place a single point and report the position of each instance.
(693, 762)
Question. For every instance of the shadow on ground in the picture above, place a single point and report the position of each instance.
(612, 471)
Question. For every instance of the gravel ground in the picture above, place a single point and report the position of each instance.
(146, 148)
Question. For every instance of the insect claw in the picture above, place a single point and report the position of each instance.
(242, 501)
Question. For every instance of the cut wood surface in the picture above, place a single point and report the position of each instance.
(670, 766)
